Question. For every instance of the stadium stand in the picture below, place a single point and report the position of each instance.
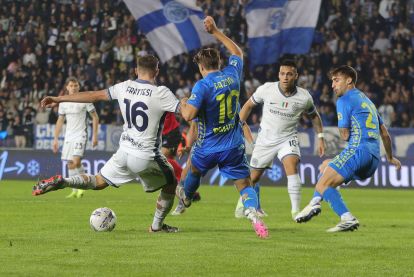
(44, 42)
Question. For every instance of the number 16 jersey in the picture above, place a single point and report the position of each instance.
(143, 107)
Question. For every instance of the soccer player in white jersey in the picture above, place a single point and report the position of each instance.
(143, 106)
(76, 134)
(283, 105)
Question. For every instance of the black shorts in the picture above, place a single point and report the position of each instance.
(172, 140)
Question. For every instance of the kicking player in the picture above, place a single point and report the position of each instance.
(143, 106)
(76, 134)
(215, 103)
(283, 106)
(360, 124)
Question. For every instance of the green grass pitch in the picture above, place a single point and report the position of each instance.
(50, 236)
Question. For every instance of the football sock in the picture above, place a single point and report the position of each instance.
(81, 170)
(317, 197)
(177, 168)
(294, 186)
(165, 202)
(84, 181)
(333, 197)
(191, 184)
(249, 197)
(257, 190)
(71, 173)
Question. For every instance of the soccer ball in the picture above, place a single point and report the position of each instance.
(103, 220)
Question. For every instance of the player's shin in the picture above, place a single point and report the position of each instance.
(294, 190)
(83, 181)
(333, 197)
(165, 202)
(191, 184)
(257, 190)
(249, 197)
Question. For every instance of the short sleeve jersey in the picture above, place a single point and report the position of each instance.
(356, 112)
(143, 107)
(217, 99)
(281, 114)
(76, 119)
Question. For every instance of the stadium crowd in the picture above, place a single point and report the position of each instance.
(44, 42)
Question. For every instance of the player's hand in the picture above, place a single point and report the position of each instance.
(210, 25)
(94, 142)
(49, 102)
(321, 147)
(395, 162)
(55, 146)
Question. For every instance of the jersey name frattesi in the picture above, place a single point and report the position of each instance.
(139, 91)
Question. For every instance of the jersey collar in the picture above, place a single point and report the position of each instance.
(142, 81)
(287, 96)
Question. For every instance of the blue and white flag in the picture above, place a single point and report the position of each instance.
(172, 27)
(276, 27)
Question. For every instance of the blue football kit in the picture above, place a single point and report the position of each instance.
(220, 140)
(360, 158)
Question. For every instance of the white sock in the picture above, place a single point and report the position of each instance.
(315, 200)
(165, 202)
(347, 216)
(294, 187)
(84, 181)
(73, 172)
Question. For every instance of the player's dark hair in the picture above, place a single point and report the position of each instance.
(345, 70)
(69, 80)
(288, 62)
(209, 58)
(148, 63)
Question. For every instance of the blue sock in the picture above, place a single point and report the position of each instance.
(333, 197)
(257, 189)
(317, 194)
(191, 184)
(249, 197)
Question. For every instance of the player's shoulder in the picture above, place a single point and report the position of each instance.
(268, 86)
(201, 85)
(302, 92)
(164, 90)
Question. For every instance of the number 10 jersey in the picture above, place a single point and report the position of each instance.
(143, 107)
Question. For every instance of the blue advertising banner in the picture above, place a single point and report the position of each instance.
(38, 164)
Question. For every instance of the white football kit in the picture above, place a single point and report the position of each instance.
(76, 134)
(143, 107)
(278, 129)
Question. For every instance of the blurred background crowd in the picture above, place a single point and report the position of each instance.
(44, 42)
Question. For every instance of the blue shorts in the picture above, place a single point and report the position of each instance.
(232, 163)
(355, 164)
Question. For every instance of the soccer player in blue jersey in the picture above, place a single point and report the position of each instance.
(215, 103)
(360, 124)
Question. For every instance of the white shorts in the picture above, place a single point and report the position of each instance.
(152, 174)
(264, 153)
(73, 148)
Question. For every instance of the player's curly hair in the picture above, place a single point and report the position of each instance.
(345, 70)
(209, 58)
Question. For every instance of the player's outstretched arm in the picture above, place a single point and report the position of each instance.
(210, 26)
(80, 97)
(386, 140)
(318, 127)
